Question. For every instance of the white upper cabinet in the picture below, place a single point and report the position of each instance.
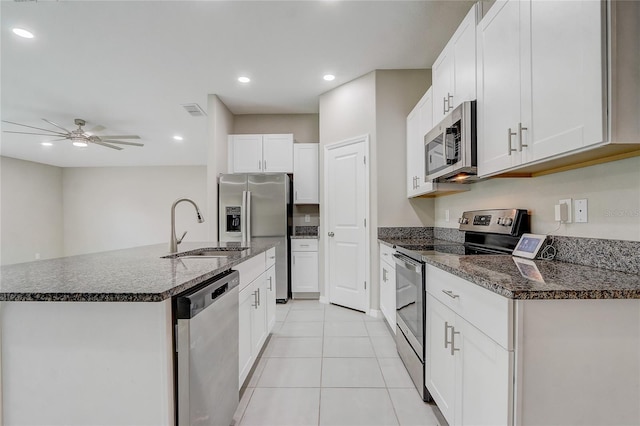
(419, 122)
(305, 173)
(540, 81)
(261, 153)
(454, 72)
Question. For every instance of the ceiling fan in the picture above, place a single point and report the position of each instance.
(79, 137)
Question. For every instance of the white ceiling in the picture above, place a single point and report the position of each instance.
(129, 65)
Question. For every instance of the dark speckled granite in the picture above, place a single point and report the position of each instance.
(616, 255)
(499, 274)
(132, 275)
(306, 230)
(405, 232)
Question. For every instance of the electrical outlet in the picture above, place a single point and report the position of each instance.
(581, 210)
(567, 201)
(307, 218)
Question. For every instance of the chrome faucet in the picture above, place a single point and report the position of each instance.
(173, 244)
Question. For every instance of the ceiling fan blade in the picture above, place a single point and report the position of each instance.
(122, 142)
(30, 133)
(32, 127)
(96, 129)
(119, 137)
(54, 124)
(107, 145)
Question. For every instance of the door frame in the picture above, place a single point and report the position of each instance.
(325, 215)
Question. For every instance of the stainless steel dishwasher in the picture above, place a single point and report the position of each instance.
(207, 347)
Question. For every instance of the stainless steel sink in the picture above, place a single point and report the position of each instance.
(207, 253)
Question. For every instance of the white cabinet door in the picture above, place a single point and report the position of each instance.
(464, 59)
(443, 89)
(246, 299)
(259, 329)
(305, 173)
(419, 122)
(245, 153)
(271, 298)
(304, 272)
(388, 293)
(567, 85)
(499, 78)
(440, 365)
(277, 151)
(483, 378)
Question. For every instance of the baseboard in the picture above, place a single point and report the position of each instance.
(376, 313)
(324, 299)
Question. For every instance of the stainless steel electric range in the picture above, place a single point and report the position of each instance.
(486, 232)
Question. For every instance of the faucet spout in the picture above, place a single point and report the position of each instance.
(173, 243)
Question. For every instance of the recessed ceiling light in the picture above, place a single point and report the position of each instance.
(329, 77)
(46, 144)
(178, 137)
(21, 32)
(244, 79)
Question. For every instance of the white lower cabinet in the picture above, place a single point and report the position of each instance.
(388, 285)
(304, 266)
(469, 375)
(256, 310)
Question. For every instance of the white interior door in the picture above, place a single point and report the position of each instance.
(346, 201)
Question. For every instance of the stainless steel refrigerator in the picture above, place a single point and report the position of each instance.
(251, 207)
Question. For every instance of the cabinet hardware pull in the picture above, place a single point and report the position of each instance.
(259, 165)
(296, 195)
(444, 105)
(451, 294)
(453, 341)
(270, 284)
(384, 275)
(304, 245)
(255, 299)
(265, 165)
(520, 129)
(509, 134)
(449, 102)
(259, 303)
(446, 333)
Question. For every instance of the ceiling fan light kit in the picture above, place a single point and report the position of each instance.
(79, 137)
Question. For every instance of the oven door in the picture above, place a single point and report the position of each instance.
(410, 301)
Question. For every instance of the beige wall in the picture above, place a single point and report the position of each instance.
(31, 200)
(108, 208)
(397, 92)
(303, 126)
(220, 122)
(612, 190)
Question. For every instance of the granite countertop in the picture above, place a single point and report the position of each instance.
(416, 243)
(130, 275)
(305, 237)
(550, 279)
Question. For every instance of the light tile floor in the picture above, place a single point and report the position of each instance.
(328, 365)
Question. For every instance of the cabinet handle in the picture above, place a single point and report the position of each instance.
(449, 101)
(384, 275)
(444, 105)
(296, 195)
(259, 165)
(451, 294)
(265, 165)
(520, 129)
(304, 245)
(453, 341)
(270, 284)
(260, 303)
(446, 333)
(509, 134)
(255, 299)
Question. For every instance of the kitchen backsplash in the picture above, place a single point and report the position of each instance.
(617, 255)
(306, 230)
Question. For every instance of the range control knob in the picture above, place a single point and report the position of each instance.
(507, 221)
(500, 219)
(463, 220)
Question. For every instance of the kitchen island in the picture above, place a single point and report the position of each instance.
(89, 339)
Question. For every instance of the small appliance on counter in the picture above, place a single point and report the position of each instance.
(254, 206)
(487, 232)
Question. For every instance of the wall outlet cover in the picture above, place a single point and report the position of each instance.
(581, 211)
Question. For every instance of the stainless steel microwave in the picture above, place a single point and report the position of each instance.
(450, 147)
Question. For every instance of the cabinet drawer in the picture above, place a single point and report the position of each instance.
(386, 254)
(251, 269)
(305, 244)
(271, 257)
(489, 312)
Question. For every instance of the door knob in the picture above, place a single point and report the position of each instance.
(331, 234)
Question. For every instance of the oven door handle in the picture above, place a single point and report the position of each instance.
(406, 263)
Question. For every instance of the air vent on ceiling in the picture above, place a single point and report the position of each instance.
(194, 110)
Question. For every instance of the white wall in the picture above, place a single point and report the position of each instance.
(107, 208)
(31, 200)
(303, 126)
(219, 126)
(612, 190)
